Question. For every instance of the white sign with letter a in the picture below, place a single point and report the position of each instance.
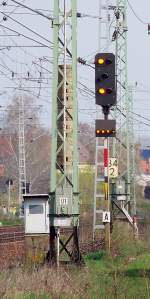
(106, 217)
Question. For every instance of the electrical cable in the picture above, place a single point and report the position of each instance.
(139, 115)
(11, 12)
(26, 27)
(34, 10)
(80, 60)
(138, 18)
(23, 35)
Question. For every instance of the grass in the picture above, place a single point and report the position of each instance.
(10, 220)
(122, 274)
(104, 277)
(121, 277)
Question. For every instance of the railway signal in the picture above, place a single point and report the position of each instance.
(105, 81)
(105, 128)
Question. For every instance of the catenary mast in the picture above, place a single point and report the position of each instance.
(64, 192)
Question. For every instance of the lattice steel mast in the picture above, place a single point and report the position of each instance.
(123, 147)
(64, 195)
(22, 159)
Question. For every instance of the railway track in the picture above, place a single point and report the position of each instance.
(16, 233)
(11, 233)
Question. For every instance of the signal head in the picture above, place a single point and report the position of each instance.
(105, 79)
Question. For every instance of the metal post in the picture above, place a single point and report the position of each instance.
(9, 186)
(75, 102)
(58, 249)
(54, 95)
(132, 159)
(65, 85)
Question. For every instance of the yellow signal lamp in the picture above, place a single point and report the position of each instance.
(101, 61)
(102, 91)
(103, 131)
(108, 131)
(97, 131)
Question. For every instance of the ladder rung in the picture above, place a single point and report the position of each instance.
(99, 211)
(103, 21)
(100, 195)
(100, 179)
(100, 164)
(99, 226)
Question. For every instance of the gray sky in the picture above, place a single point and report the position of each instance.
(138, 55)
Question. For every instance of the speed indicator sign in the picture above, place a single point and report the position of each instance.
(113, 168)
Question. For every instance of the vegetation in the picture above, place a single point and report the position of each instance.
(123, 273)
(10, 220)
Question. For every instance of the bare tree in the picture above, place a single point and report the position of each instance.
(37, 145)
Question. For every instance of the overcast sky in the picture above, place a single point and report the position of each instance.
(138, 53)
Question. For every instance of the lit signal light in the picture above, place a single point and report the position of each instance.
(105, 128)
(105, 133)
(102, 91)
(101, 61)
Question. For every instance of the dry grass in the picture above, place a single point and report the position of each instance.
(66, 283)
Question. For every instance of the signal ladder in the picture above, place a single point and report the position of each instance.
(99, 195)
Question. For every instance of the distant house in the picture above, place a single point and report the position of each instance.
(145, 161)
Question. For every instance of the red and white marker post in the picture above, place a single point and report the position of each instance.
(106, 190)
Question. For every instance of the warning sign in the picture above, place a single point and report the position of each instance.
(106, 217)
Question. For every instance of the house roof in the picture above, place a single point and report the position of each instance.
(35, 196)
(145, 154)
